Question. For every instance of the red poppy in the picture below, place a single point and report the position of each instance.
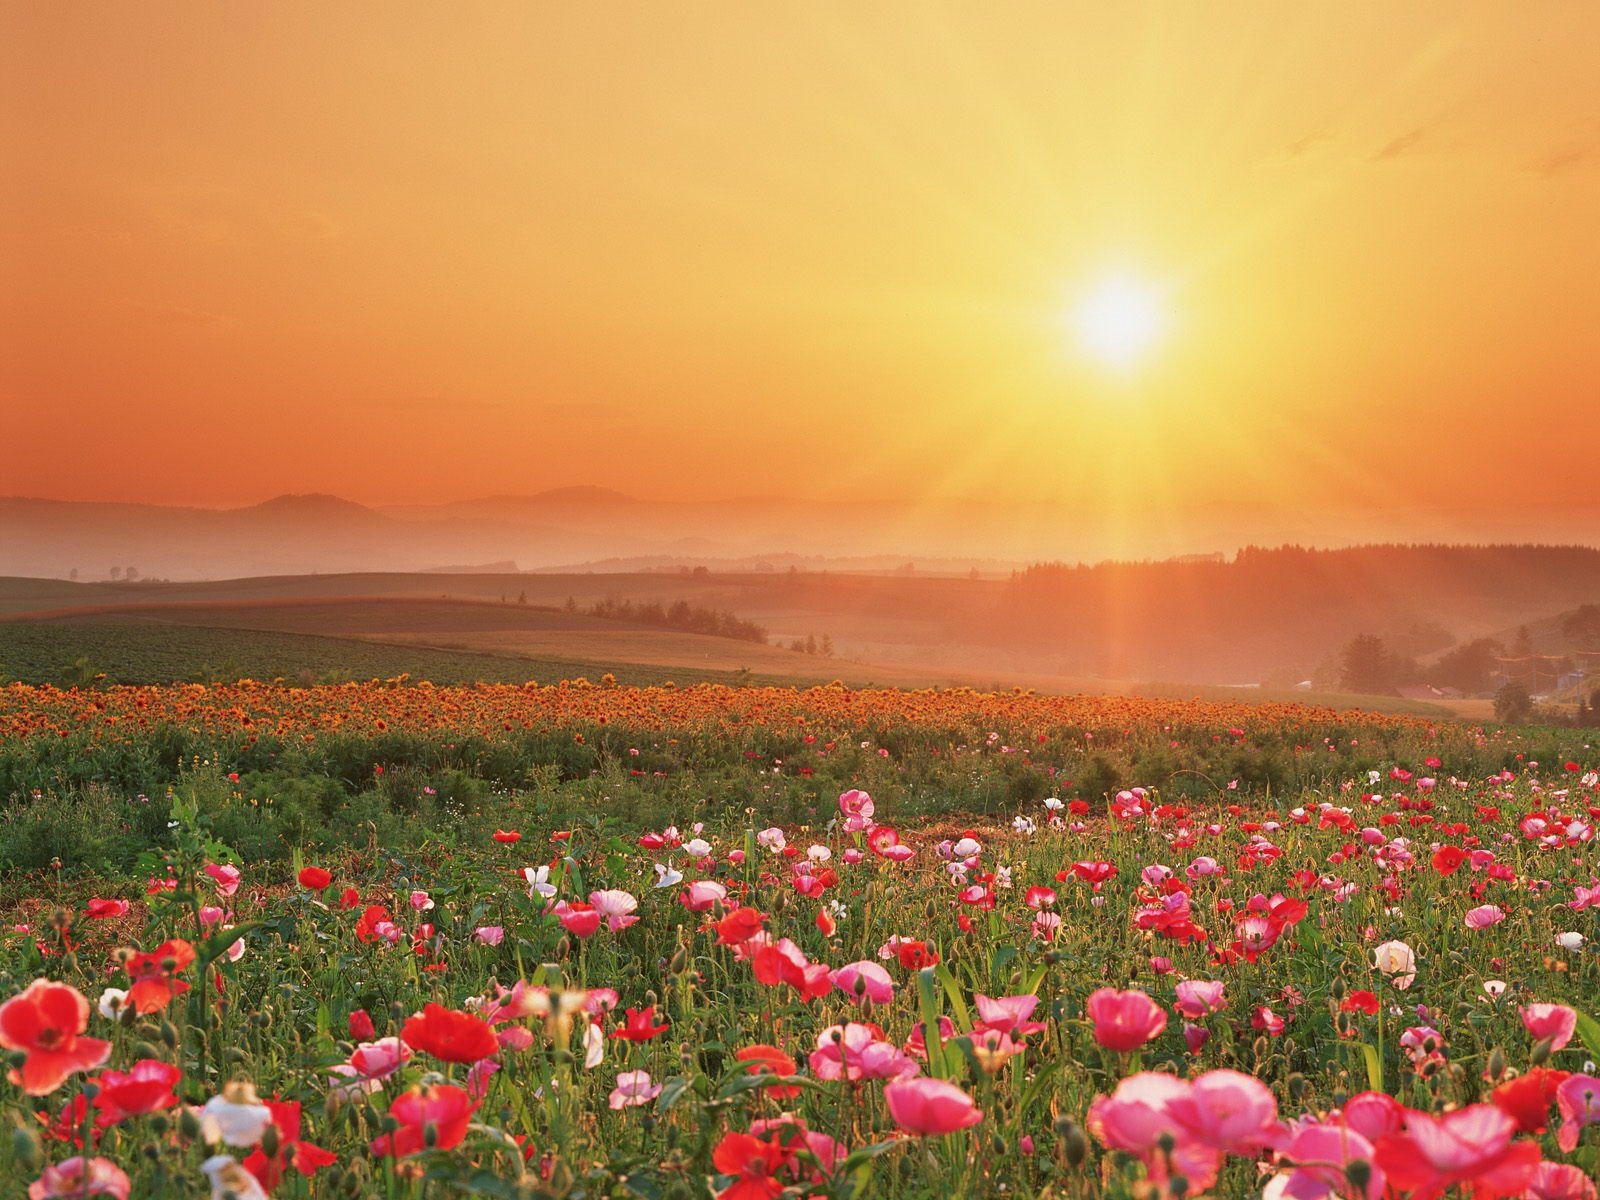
(146, 1088)
(314, 879)
(762, 1059)
(1360, 1001)
(43, 1022)
(155, 975)
(1527, 1098)
(367, 923)
(100, 910)
(444, 1109)
(361, 1027)
(349, 898)
(638, 1026)
(914, 956)
(754, 1164)
(739, 926)
(449, 1035)
(304, 1157)
(507, 837)
(1447, 860)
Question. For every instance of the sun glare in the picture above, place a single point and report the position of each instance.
(1119, 320)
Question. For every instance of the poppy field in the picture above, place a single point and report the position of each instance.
(595, 941)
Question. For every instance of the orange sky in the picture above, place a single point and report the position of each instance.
(417, 253)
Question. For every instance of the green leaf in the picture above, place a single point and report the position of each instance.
(217, 944)
(1589, 1033)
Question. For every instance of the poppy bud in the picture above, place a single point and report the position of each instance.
(678, 962)
(1497, 1063)
(1297, 1086)
(1338, 989)
(69, 962)
(397, 1011)
(564, 1058)
(25, 1147)
(188, 1123)
(1167, 1142)
(90, 1089)
(1074, 1145)
(563, 948)
(1359, 1173)
(235, 1055)
(651, 998)
(1541, 1052)
(159, 1123)
(169, 1035)
(271, 1141)
(430, 1134)
(1178, 1187)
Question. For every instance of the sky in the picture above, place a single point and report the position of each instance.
(827, 251)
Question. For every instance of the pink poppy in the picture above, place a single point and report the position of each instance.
(1199, 997)
(703, 895)
(616, 906)
(1124, 1021)
(1227, 1110)
(633, 1089)
(1470, 1145)
(1578, 1101)
(1484, 916)
(81, 1177)
(1556, 1022)
(930, 1107)
(1136, 1118)
(864, 982)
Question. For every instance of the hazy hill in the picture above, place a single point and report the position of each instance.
(1237, 619)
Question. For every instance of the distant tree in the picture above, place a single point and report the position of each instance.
(811, 643)
(116, 573)
(826, 646)
(522, 597)
(131, 574)
(1581, 627)
(1367, 666)
(1469, 667)
(1512, 703)
(73, 574)
(701, 572)
(571, 605)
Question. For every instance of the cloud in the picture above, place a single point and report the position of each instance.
(1567, 158)
(1405, 144)
(1310, 141)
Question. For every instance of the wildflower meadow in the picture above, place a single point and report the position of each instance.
(591, 941)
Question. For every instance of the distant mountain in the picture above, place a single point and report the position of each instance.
(607, 529)
(284, 535)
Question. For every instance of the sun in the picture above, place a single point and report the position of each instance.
(1120, 319)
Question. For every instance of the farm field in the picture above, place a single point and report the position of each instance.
(175, 633)
(131, 652)
(583, 940)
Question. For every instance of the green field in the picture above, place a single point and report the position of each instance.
(137, 653)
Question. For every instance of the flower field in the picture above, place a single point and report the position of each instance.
(585, 940)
